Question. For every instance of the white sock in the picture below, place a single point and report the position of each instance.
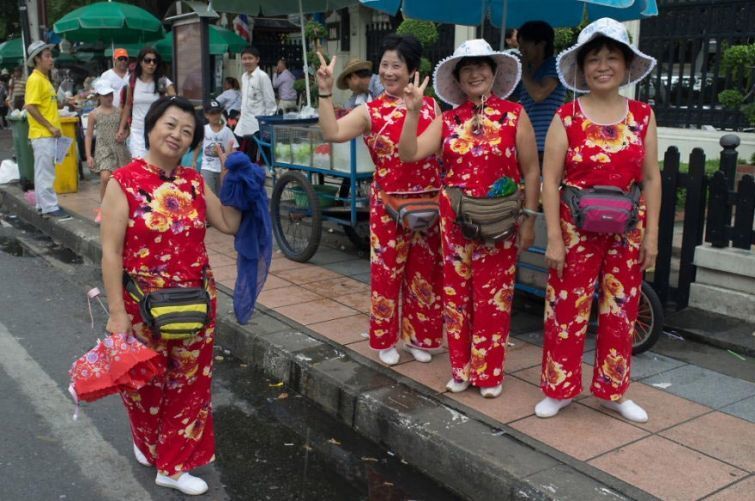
(549, 407)
(628, 410)
(419, 355)
(389, 356)
(455, 386)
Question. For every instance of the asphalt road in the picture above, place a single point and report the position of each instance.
(271, 444)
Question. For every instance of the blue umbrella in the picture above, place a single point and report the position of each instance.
(504, 13)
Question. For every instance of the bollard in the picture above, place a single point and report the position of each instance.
(728, 165)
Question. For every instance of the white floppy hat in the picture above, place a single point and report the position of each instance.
(569, 71)
(36, 48)
(507, 73)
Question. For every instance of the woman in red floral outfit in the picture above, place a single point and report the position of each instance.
(485, 142)
(154, 216)
(405, 277)
(600, 139)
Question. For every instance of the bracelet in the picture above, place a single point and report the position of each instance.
(530, 212)
(324, 96)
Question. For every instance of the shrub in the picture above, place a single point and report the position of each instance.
(424, 31)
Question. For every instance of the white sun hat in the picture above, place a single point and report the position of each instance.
(571, 75)
(507, 73)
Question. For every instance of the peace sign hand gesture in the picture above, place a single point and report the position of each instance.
(325, 74)
(414, 92)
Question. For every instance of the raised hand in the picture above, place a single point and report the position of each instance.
(325, 74)
(414, 92)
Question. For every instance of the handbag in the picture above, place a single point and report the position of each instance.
(172, 313)
(413, 213)
(485, 219)
(603, 209)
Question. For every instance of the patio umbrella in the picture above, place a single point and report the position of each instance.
(221, 41)
(12, 52)
(110, 22)
(278, 7)
(503, 13)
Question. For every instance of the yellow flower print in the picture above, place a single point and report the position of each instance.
(612, 284)
(449, 291)
(601, 158)
(614, 368)
(550, 293)
(382, 307)
(502, 299)
(453, 318)
(613, 295)
(567, 121)
(422, 290)
(462, 269)
(407, 331)
(569, 233)
(554, 373)
(478, 362)
(460, 146)
(157, 221)
(172, 202)
(609, 138)
(383, 146)
(577, 157)
(583, 305)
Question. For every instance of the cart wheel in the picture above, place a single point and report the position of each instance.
(649, 322)
(359, 235)
(296, 217)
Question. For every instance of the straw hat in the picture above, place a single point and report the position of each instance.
(351, 67)
(569, 71)
(507, 73)
(36, 48)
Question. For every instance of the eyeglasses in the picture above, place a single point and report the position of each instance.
(122, 58)
(149, 60)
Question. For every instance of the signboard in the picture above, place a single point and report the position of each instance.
(187, 58)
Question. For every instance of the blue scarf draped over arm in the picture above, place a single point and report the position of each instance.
(244, 189)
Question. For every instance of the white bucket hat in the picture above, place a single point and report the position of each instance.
(507, 73)
(571, 75)
(36, 48)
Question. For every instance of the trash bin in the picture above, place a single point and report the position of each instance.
(24, 153)
(67, 172)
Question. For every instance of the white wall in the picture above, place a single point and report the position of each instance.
(687, 139)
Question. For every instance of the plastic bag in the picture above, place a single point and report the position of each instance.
(8, 171)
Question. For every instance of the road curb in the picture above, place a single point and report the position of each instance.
(447, 441)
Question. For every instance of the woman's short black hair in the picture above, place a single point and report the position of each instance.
(597, 44)
(536, 32)
(232, 82)
(468, 61)
(408, 48)
(159, 108)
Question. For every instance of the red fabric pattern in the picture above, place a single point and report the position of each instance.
(171, 417)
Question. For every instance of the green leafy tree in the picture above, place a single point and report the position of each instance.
(739, 61)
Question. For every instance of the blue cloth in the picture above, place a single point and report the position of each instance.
(542, 113)
(244, 189)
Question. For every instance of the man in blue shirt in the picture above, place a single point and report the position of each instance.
(540, 91)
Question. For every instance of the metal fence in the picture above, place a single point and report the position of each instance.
(274, 45)
(376, 31)
(688, 39)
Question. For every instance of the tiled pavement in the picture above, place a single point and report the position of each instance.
(699, 442)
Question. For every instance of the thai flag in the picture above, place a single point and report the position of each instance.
(241, 27)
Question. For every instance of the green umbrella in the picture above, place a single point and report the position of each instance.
(110, 22)
(221, 41)
(11, 53)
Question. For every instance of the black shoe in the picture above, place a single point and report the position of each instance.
(58, 215)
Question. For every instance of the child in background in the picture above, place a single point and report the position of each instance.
(109, 154)
(217, 136)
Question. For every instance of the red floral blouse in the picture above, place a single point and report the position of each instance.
(387, 116)
(479, 145)
(164, 241)
(608, 155)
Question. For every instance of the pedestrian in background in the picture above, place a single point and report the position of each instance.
(155, 215)
(283, 82)
(230, 98)
(17, 89)
(257, 99)
(44, 128)
(4, 78)
(358, 78)
(110, 154)
(218, 140)
(117, 76)
(600, 139)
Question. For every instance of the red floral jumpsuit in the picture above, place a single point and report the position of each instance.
(597, 155)
(405, 276)
(478, 278)
(171, 417)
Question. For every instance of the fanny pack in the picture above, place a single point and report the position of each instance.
(485, 219)
(603, 209)
(173, 313)
(413, 213)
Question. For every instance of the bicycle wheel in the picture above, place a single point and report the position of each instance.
(296, 217)
(649, 322)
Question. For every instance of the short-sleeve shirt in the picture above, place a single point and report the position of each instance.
(40, 93)
(387, 115)
(210, 159)
(479, 151)
(144, 96)
(115, 82)
(541, 114)
(605, 154)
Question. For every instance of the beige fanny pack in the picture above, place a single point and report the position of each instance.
(485, 219)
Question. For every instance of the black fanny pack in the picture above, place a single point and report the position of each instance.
(172, 313)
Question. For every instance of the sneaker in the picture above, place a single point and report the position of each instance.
(389, 356)
(140, 457)
(628, 410)
(188, 484)
(419, 355)
(491, 392)
(455, 386)
(58, 215)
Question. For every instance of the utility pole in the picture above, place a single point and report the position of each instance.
(23, 12)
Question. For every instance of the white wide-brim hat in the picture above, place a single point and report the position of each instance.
(571, 74)
(36, 48)
(507, 73)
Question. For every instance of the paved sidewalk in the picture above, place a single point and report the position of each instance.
(698, 443)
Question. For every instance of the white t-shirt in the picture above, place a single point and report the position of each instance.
(116, 83)
(144, 96)
(210, 159)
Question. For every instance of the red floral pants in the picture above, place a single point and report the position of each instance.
(478, 287)
(171, 417)
(611, 262)
(405, 282)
